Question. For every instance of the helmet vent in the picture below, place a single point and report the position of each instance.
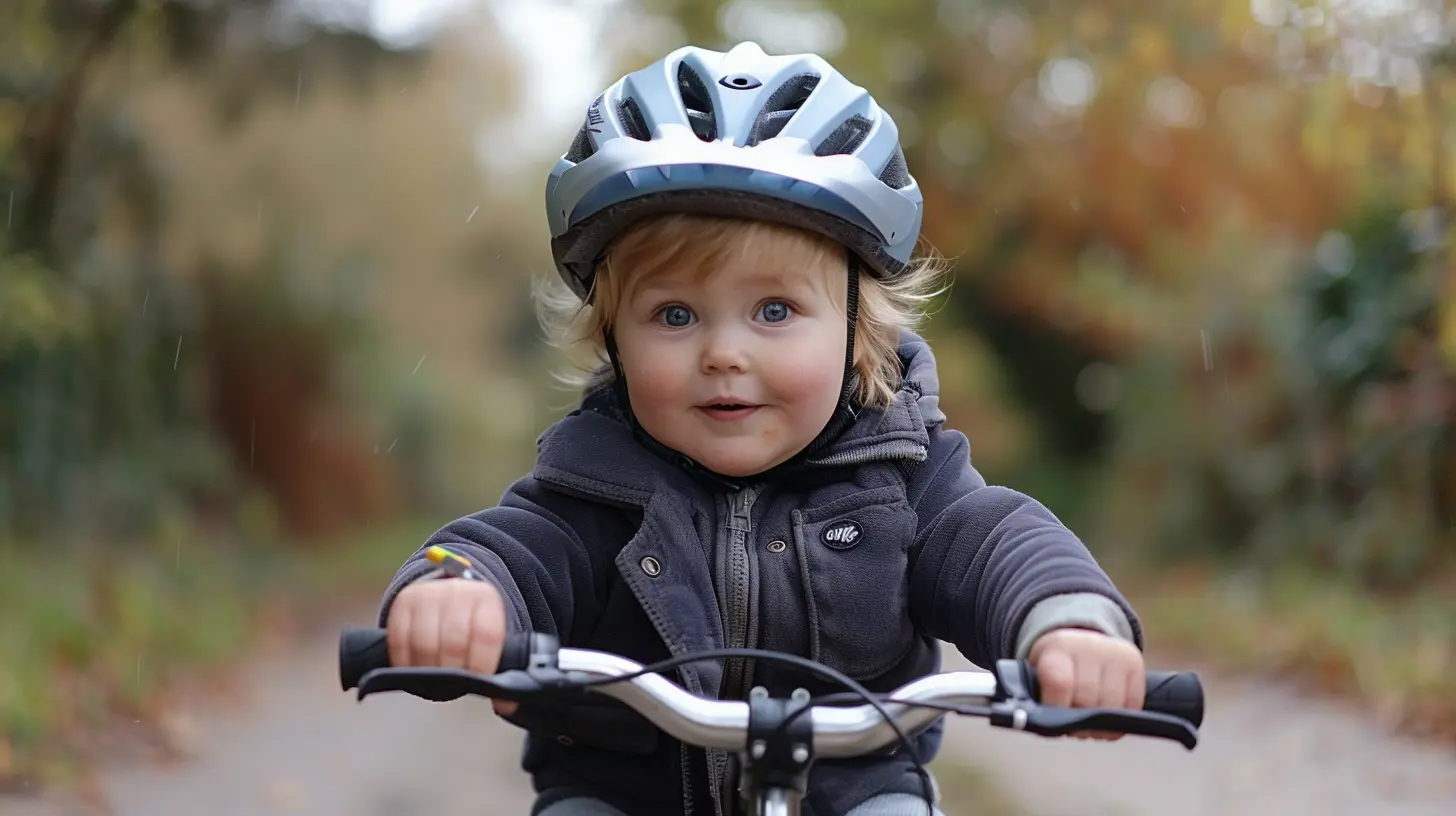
(896, 174)
(581, 147)
(696, 102)
(631, 117)
(781, 107)
(845, 138)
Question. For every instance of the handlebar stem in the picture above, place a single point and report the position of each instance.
(779, 750)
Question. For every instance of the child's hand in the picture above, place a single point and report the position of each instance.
(1083, 668)
(452, 623)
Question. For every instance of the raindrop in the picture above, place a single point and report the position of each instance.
(417, 366)
(472, 213)
(178, 356)
(392, 444)
(146, 300)
(1207, 350)
(298, 90)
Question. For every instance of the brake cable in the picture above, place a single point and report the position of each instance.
(859, 691)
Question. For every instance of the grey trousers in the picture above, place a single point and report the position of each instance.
(886, 804)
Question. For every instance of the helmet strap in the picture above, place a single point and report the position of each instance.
(851, 310)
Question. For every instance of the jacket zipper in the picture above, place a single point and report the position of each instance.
(737, 596)
(740, 524)
(685, 757)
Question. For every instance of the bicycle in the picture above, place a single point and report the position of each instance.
(777, 739)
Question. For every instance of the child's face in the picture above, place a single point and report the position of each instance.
(739, 368)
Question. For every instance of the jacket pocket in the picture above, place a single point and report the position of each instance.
(593, 723)
(853, 562)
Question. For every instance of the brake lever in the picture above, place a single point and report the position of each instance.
(1051, 721)
(442, 685)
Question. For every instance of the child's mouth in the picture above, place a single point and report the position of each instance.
(728, 411)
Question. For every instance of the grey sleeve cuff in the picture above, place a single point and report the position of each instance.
(1081, 610)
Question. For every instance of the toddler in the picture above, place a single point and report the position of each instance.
(759, 460)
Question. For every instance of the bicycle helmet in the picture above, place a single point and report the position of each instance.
(742, 133)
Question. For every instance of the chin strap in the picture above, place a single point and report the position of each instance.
(851, 311)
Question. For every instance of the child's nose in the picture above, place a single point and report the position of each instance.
(723, 351)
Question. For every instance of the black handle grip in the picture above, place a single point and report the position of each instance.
(1178, 694)
(1059, 722)
(362, 650)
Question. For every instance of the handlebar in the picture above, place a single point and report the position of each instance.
(533, 667)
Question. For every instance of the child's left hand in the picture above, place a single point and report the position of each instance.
(1083, 668)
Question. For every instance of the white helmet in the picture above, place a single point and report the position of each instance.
(785, 139)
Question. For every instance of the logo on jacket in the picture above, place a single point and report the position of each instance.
(841, 535)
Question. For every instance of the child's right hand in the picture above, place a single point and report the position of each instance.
(450, 622)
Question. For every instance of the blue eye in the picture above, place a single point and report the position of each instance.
(676, 316)
(775, 312)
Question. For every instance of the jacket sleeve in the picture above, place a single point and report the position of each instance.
(993, 569)
(546, 573)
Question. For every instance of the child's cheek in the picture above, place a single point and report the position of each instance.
(810, 373)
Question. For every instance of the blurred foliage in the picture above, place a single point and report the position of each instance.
(1203, 286)
(123, 370)
(1207, 247)
(1316, 429)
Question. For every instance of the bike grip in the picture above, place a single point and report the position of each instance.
(1178, 694)
(362, 650)
(515, 652)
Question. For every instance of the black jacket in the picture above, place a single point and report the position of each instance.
(862, 556)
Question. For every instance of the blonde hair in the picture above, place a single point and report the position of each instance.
(702, 242)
